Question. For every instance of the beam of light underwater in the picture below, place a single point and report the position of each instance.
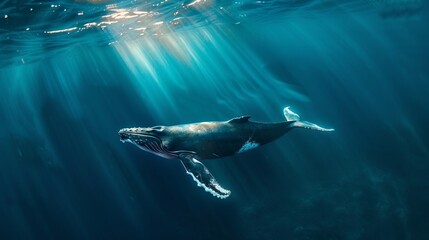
(165, 66)
(165, 62)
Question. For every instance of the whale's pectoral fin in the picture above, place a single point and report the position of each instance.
(202, 176)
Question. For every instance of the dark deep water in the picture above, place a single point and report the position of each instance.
(360, 67)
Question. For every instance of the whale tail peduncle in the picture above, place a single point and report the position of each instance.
(296, 122)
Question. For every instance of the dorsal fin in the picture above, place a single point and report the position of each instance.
(241, 119)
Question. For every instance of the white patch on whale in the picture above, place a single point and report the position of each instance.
(247, 146)
(215, 184)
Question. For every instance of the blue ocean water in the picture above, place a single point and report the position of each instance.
(72, 73)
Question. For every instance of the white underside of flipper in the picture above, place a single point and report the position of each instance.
(203, 177)
(225, 194)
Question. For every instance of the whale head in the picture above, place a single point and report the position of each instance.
(148, 139)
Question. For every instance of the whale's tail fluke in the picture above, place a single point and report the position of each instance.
(296, 122)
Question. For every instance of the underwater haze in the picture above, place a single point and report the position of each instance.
(72, 73)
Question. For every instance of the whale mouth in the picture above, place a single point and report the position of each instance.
(137, 136)
(147, 140)
(124, 135)
(123, 138)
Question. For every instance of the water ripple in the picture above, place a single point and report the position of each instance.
(32, 29)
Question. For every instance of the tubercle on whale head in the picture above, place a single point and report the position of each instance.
(141, 135)
(125, 133)
(148, 139)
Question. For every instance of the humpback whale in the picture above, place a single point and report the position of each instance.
(191, 143)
